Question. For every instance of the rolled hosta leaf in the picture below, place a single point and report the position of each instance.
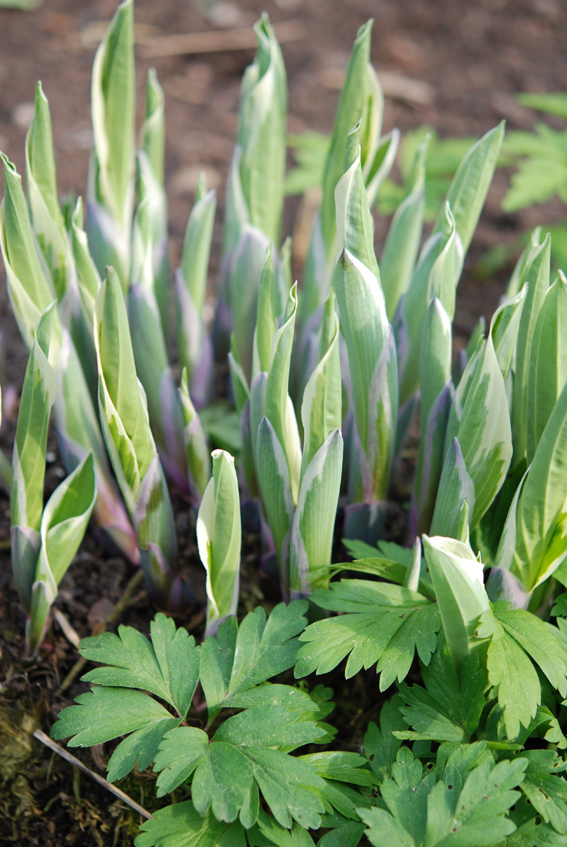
(466, 197)
(402, 242)
(373, 370)
(150, 354)
(124, 415)
(436, 275)
(219, 538)
(149, 235)
(63, 525)
(151, 184)
(548, 366)
(470, 184)
(534, 539)
(435, 403)
(111, 170)
(155, 526)
(537, 284)
(193, 343)
(78, 433)
(355, 227)
(457, 578)
(275, 486)
(244, 278)
(28, 462)
(361, 100)
(505, 326)
(29, 288)
(360, 84)
(314, 518)
(198, 456)
(455, 497)
(266, 319)
(262, 133)
(481, 421)
(125, 424)
(45, 214)
(87, 275)
(278, 407)
(321, 468)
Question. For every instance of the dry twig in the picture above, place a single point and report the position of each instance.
(45, 739)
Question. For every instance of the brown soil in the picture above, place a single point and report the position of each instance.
(474, 55)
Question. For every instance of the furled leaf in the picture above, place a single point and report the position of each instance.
(29, 288)
(261, 132)
(533, 542)
(537, 283)
(198, 456)
(45, 214)
(380, 623)
(218, 537)
(123, 412)
(455, 497)
(314, 518)
(484, 432)
(470, 184)
(458, 580)
(435, 397)
(373, 367)
(111, 175)
(402, 242)
(548, 365)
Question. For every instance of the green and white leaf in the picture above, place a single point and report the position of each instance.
(219, 537)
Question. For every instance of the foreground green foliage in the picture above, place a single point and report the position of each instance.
(326, 378)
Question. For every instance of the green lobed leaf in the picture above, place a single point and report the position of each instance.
(168, 666)
(181, 825)
(380, 744)
(377, 625)
(238, 658)
(466, 806)
(450, 706)
(512, 675)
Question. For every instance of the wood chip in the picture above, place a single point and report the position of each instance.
(214, 42)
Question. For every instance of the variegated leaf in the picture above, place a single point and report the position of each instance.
(219, 539)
